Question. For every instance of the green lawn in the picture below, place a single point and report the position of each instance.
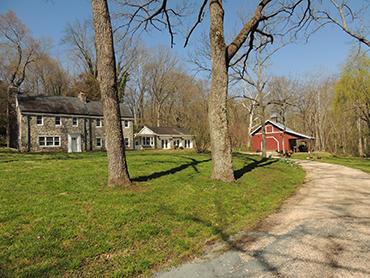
(58, 217)
(352, 162)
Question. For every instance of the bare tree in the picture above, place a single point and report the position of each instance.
(19, 49)
(80, 39)
(349, 17)
(283, 98)
(159, 15)
(165, 77)
(117, 166)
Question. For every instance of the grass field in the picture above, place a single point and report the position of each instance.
(59, 219)
(352, 162)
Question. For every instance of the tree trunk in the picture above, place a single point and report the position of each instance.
(117, 167)
(360, 145)
(159, 114)
(250, 126)
(263, 130)
(222, 160)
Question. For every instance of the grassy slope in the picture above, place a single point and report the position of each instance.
(352, 162)
(57, 217)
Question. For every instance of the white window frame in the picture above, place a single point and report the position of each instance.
(60, 121)
(126, 123)
(165, 144)
(101, 142)
(46, 140)
(99, 122)
(127, 142)
(187, 143)
(151, 141)
(37, 120)
(73, 118)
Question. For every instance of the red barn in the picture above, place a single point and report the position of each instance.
(274, 137)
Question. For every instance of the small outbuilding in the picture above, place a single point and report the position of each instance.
(274, 138)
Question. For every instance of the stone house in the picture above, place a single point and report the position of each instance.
(49, 123)
(164, 138)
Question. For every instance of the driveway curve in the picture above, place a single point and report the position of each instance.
(321, 231)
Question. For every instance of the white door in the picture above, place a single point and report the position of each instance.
(74, 143)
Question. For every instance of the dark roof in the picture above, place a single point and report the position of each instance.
(50, 104)
(170, 130)
(281, 127)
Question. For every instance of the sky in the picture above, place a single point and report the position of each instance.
(326, 50)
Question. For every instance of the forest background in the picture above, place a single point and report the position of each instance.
(165, 88)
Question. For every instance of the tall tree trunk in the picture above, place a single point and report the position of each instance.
(250, 126)
(360, 146)
(263, 130)
(159, 114)
(117, 167)
(222, 160)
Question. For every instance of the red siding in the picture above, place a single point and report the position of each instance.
(274, 139)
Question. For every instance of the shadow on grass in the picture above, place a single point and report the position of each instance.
(157, 175)
(250, 166)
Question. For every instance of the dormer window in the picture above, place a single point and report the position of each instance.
(39, 120)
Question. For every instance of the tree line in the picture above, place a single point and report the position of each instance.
(158, 86)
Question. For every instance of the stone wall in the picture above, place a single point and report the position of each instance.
(86, 128)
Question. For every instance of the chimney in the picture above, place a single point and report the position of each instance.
(82, 97)
(274, 118)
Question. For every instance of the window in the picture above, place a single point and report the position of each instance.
(127, 142)
(187, 143)
(164, 144)
(127, 124)
(49, 141)
(99, 142)
(74, 121)
(58, 121)
(98, 123)
(148, 141)
(39, 120)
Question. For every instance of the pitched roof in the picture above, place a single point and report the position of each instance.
(172, 131)
(282, 127)
(51, 104)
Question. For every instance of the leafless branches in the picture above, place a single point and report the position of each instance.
(146, 14)
(348, 16)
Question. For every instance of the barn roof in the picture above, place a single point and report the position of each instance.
(51, 104)
(169, 131)
(281, 127)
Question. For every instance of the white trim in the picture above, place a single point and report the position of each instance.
(281, 128)
(189, 145)
(78, 137)
(151, 141)
(68, 115)
(128, 142)
(101, 142)
(75, 125)
(278, 143)
(60, 120)
(45, 145)
(146, 131)
(163, 146)
(42, 120)
(100, 122)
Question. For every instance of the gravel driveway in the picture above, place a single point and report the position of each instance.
(322, 231)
